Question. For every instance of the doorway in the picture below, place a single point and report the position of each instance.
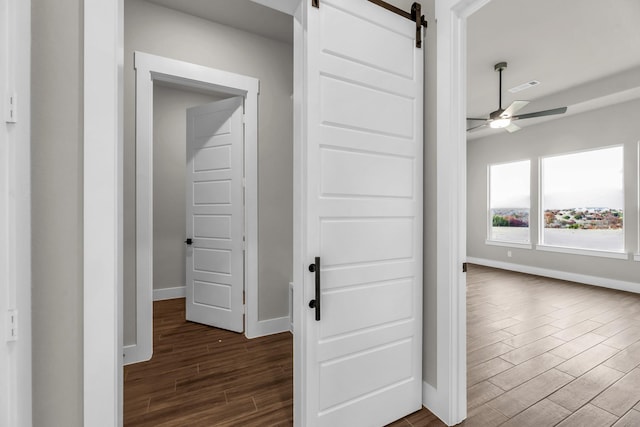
(150, 70)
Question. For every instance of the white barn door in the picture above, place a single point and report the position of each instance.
(360, 198)
(215, 215)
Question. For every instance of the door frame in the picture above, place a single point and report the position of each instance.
(103, 98)
(15, 214)
(149, 69)
(448, 398)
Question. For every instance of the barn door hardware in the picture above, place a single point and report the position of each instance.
(415, 15)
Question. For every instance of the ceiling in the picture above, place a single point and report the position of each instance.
(249, 15)
(566, 45)
(563, 44)
(244, 15)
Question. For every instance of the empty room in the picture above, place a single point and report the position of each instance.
(552, 217)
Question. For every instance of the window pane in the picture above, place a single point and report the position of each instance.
(509, 202)
(582, 200)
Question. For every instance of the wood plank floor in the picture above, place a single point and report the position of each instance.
(540, 352)
(544, 352)
(202, 376)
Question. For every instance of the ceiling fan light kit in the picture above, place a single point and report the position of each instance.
(503, 118)
(500, 123)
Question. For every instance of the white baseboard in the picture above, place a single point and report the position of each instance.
(169, 293)
(269, 327)
(436, 403)
(134, 353)
(561, 275)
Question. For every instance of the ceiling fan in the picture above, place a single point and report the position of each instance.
(504, 118)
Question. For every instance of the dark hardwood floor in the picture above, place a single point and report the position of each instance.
(539, 352)
(203, 376)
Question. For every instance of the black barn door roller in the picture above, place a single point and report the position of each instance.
(415, 15)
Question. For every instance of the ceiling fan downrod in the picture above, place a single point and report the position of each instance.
(499, 67)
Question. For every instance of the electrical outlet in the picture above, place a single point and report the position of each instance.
(509, 254)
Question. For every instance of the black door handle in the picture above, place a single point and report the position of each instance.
(189, 241)
(315, 303)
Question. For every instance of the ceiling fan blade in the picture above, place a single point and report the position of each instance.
(514, 108)
(551, 112)
(512, 128)
(475, 118)
(476, 127)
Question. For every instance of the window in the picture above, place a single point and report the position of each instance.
(509, 202)
(582, 199)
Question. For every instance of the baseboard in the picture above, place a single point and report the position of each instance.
(134, 353)
(269, 327)
(169, 293)
(561, 275)
(436, 403)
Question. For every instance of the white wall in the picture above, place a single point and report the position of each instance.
(56, 195)
(617, 124)
(161, 31)
(169, 166)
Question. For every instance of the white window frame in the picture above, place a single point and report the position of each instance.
(567, 249)
(489, 219)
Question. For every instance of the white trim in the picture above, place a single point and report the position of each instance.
(451, 384)
(508, 244)
(291, 307)
(169, 293)
(584, 252)
(15, 214)
(270, 327)
(434, 401)
(636, 257)
(133, 353)
(299, 223)
(103, 94)
(150, 68)
(603, 282)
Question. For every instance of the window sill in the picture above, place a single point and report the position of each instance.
(508, 244)
(586, 252)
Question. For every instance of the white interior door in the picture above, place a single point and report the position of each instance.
(361, 208)
(215, 214)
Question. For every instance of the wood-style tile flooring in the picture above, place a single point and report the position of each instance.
(544, 352)
(540, 352)
(203, 376)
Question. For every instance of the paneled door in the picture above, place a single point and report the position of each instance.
(360, 198)
(215, 214)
